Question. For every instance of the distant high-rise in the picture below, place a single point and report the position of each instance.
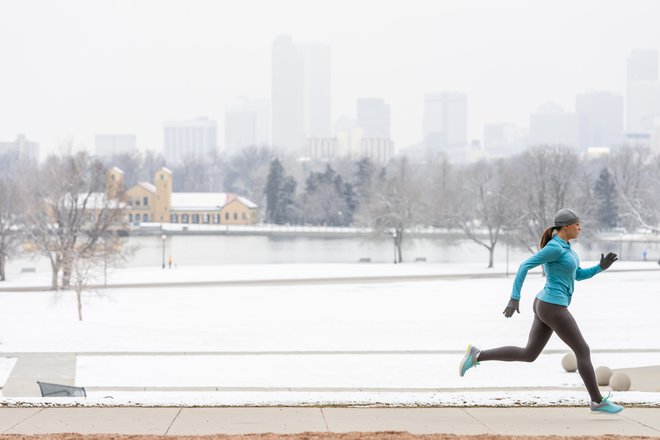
(112, 144)
(20, 149)
(300, 93)
(247, 123)
(643, 65)
(600, 119)
(445, 121)
(551, 125)
(193, 139)
(373, 115)
(501, 140)
(643, 94)
(317, 92)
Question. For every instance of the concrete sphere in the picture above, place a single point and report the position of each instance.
(603, 375)
(620, 381)
(569, 362)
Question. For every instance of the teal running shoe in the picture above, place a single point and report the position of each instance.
(469, 360)
(605, 406)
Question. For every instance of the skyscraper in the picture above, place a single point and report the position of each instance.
(373, 115)
(600, 119)
(317, 93)
(197, 138)
(501, 140)
(643, 94)
(20, 149)
(111, 144)
(445, 120)
(300, 92)
(247, 123)
(643, 65)
(551, 125)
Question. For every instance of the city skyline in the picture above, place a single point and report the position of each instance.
(79, 78)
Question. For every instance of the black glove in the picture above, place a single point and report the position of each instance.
(606, 261)
(511, 307)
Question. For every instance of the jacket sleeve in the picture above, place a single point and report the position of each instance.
(549, 253)
(585, 274)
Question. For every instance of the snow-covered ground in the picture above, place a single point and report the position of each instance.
(615, 310)
(6, 365)
(260, 272)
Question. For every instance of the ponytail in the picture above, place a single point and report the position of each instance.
(547, 236)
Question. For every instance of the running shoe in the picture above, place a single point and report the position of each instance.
(605, 406)
(469, 360)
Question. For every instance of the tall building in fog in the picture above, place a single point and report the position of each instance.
(300, 93)
(600, 119)
(112, 144)
(551, 125)
(445, 121)
(373, 115)
(501, 140)
(643, 91)
(247, 123)
(192, 139)
(317, 89)
(20, 149)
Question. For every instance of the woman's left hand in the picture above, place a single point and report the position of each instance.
(606, 261)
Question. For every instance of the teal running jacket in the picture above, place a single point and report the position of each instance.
(562, 268)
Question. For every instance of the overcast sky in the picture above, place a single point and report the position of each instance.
(80, 67)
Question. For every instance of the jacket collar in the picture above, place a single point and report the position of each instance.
(561, 242)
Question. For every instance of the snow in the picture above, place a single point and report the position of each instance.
(6, 365)
(396, 399)
(334, 371)
(265, 272)
(328, 335)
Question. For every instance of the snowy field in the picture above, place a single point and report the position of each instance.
(233, 331)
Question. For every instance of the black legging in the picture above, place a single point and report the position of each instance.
(548, 318)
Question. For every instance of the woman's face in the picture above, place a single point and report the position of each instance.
(573, 231)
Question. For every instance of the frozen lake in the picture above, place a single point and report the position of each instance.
(198, 250)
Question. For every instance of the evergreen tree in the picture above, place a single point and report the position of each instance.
(280, 195)
(274, 183)
(607, 212)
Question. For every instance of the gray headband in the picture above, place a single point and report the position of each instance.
(566, 217)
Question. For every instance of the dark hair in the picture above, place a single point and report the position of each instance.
(547, 235)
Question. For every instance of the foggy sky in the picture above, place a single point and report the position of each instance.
(77, 68)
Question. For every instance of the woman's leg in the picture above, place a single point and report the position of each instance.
(539, 335)
(563, 323)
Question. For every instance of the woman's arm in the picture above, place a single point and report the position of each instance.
(585, 274)
(549, 253)
(605, 263)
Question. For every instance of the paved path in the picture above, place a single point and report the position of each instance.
(200, 421)
(32, 367)
(297, 281)
(60, 368)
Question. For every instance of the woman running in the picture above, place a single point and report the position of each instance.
(562, 267)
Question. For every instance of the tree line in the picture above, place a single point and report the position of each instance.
(54, 208)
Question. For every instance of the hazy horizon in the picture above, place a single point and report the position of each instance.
(79, 68)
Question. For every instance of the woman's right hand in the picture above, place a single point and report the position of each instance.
(513, 306)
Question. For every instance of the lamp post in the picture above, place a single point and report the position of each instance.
(394, 238)
(163, 238)
(507, 254)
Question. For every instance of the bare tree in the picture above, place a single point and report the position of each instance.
(248, 173)
(11, 221)
(482, 202)
(636, 174)
(71, 213)
(90, 265)
(545, 180)
(395, 204)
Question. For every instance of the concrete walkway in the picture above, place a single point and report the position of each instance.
(201, 421)
(60, 368)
